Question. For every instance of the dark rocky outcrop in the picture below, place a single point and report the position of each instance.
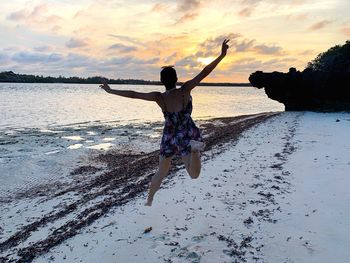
(323, 86)
(307, 90)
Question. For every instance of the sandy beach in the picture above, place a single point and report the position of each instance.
(273, 188)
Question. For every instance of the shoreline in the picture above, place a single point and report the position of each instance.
(86, 188)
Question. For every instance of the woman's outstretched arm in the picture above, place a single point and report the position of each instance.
(151, 96)
(189, 85)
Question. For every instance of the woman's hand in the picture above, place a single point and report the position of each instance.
(105, 86)
(191, 84)
(224, 47)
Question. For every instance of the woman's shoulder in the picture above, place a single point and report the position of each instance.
(171, 92)
(184, 89)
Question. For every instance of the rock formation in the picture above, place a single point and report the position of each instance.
(307, 90)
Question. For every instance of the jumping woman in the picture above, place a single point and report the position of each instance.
(181, 137)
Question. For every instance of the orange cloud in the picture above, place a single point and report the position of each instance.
(246, 11)
(188, 5)
(159, 7)
(320, 25)
(187, 17)
(38, 15)
(346, 31)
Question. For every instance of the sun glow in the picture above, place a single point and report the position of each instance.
(205, 61)
(133, 39)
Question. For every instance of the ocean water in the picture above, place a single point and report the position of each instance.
(46, 130)
(46, 105)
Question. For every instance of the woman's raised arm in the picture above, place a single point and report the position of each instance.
(189, 85)
(150, 96)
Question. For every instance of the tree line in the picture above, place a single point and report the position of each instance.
(335, 59)
(10, 76)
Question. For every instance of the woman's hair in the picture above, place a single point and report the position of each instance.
(168, 77)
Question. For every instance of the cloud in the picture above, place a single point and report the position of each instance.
(188, 9)
(39, 15)
(254, 3)
(246, 65)
(297, 17)
(19, 15)
(3, 57)
(188, 5)
(170, 59)
(159, 7)
(212, 46)
(245, 45)
(248, 7)
(297, 2)
(245, 12)
(186, 17)
(346, 31)
(268, 50)
(34, 57)
(12, 49)
(126, 39)
(43, 48)
(250, 65)
(56, 28)
(130, 60)
(307, 52)
(188, 61)
(76, 42)
(122, 48)
(33, 62)
(320, 25)
(73, 60)
(151, 61)
(251, 2)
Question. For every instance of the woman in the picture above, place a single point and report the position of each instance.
(180, 135)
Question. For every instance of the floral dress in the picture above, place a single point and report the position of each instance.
(179, 130)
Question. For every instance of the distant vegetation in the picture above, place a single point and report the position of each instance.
(9, 76)
(335, 59)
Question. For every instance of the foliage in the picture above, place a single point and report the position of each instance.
(9, 76)
(335, 59)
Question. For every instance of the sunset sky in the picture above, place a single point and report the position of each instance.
(133, 39)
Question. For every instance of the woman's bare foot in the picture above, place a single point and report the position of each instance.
(149, 202)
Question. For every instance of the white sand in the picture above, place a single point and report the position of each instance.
(282, 190)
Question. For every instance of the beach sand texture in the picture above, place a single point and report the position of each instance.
(277, 193)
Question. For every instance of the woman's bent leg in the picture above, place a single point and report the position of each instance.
(193, 164)
(164, 166)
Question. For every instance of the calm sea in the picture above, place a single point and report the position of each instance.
(43, 105)
(46, 130)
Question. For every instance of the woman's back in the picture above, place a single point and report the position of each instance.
(174, 100)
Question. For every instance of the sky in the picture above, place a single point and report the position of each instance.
(134, 39)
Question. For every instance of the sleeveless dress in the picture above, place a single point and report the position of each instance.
(179, 130)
